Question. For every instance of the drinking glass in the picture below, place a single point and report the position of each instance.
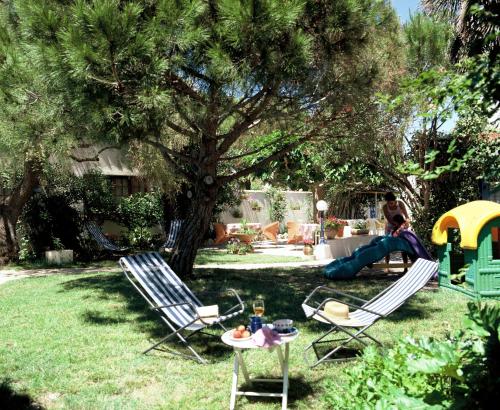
(258, 307)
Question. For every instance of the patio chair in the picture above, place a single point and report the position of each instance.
(173, 234)
(221, 235)
(271, 231)
(100, 238)
(367, 313)
(177, 306)
(293, 229)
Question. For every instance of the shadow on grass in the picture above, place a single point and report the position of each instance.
(283, 289)
(298, 390)
(11, 400)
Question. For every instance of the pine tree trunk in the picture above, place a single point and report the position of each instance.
(8, 240)
(193, 231)
(11, 209)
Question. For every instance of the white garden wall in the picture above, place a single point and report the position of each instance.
(299, 208)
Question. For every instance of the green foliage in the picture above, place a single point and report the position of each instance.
(459, 372)
(427, 41)
(236, 247)
(49, 220)
(141, 210)
(245, 229)
(277, 208)
(139, 213)
(360, 225)
(25, 250)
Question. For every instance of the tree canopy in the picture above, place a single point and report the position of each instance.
(192, 78)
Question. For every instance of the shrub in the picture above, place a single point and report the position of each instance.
(460, 372)
(139, 213)
(277, 207)
(234, 246)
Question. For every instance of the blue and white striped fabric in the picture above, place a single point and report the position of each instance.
(99, 237)
(163, 287)
(415, 279)
(173, 234)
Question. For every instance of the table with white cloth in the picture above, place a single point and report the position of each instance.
(307, 231)
(341, 247)
(235, 227)
(239, 346)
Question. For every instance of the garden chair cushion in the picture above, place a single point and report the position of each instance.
(271, 231)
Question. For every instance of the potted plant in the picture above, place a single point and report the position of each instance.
(360, 228)
(332, 225)
(236, 247)
(340, 230)
(245, 234)
(255, 205)
(58, 256)
(236, 213)
(308, 247)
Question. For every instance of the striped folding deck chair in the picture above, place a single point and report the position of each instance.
(173, 234)
(366, 313)
(101, 239)
(177, 306)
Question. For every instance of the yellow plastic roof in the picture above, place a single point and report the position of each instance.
(469, 218)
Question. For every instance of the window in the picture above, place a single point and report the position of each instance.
(495, 242)
(125, 186)
(139, 185)
(120, 186)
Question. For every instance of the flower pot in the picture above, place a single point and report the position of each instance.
(308, 249)
(330, 233)
(359, 231)
(59, 257)
(244, 237)
(340, 231)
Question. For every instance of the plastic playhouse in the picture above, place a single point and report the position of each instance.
(468, 244)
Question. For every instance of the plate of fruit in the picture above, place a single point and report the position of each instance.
(241, 333)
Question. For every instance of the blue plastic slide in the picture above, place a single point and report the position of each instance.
(349, 266)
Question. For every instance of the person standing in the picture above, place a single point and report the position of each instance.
(392, 208)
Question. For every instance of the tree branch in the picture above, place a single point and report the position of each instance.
(185, 158)
(179, 85)
(94, 158)
(166, 156)
(282, 151)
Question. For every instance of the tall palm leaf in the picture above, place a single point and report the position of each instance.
(476, 32)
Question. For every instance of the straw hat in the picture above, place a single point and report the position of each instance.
(336, 310)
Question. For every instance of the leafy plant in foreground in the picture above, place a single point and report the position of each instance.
(457, 373)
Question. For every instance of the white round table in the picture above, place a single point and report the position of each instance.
(238, 346)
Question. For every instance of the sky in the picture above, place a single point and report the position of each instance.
(404, 7)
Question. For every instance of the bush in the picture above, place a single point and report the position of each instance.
(237, 247)
(55, 215)
(139, 213)
(460, 372)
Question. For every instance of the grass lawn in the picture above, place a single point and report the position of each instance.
(209, 256)
(204, 257)
(75, 341)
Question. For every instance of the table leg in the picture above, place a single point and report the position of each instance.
(280, 358)
(285, 379)
(234, 386)
(243, 366)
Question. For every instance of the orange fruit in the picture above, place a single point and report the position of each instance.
(241, 328)
(237, 334)
(246, 333)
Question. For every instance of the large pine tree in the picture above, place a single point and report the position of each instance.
(192, 78)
